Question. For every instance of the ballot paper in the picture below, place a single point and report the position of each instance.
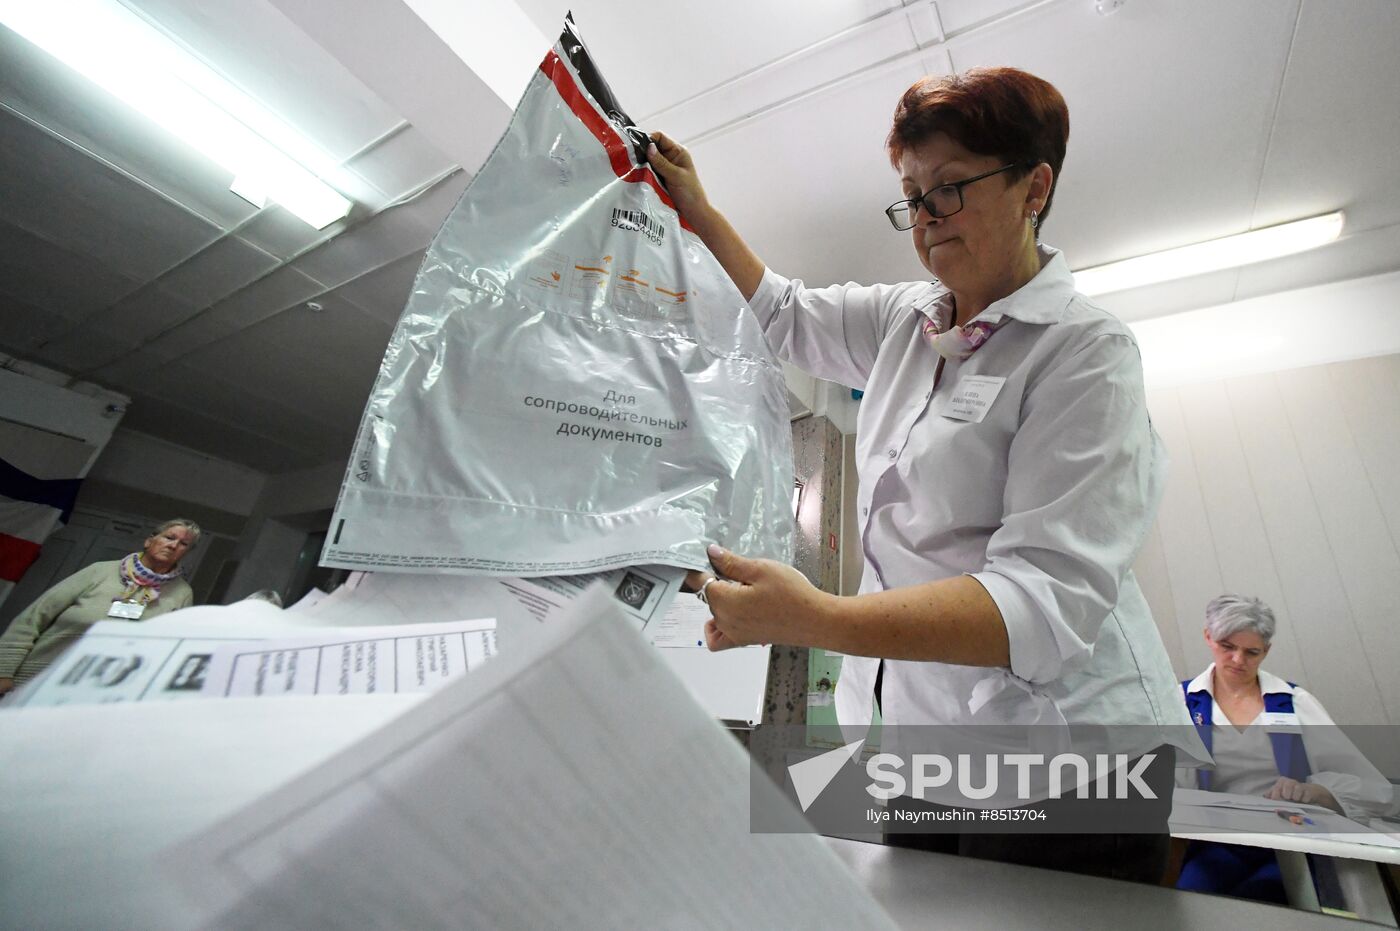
(308, 600)
(185, 658)
(575, 383)
(572, 782)
(1203, 799)
(1197, 811)
(102, 789)
(642, 592)
(163, 659)
(683, 624)
(730, 684)
(351, 661)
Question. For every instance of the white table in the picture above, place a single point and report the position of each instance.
(925, 890)
(1332, 836)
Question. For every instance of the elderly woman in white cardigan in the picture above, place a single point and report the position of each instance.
(1269, 737)
(140, 586)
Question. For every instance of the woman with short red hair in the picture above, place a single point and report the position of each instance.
(1008, 470)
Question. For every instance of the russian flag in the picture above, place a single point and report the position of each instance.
(30, 509)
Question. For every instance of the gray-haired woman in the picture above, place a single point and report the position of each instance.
(140, 586)
(1269, 737)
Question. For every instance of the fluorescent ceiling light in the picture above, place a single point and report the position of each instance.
(126, 56)
(1230, 252)
(1272, 332)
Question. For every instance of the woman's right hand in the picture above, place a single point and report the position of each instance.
(672, 161)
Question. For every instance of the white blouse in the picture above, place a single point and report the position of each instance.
(1244, 758)
(1045, 500)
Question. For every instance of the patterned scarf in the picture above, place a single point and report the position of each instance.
(961, 341)
(142, 584)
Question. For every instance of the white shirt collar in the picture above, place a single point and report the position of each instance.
(1269, 684)
(1043, 299)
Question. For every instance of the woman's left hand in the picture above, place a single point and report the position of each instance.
(759, 601)
(1291, 790)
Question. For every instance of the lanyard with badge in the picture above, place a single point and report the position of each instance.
(126, 610)
(974, 394)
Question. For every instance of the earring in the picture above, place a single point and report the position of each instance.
(1035, 220)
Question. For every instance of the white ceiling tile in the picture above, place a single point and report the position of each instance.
(652, 61)
(390, 235)
(146, 313)
(202, 389)
(81, 351)
(960, 16)
(233, 394)
(280, 233)
(24, 327)
(858, 49)
(177, 423)
(211, 411)
(258, 50)
(53, 95)
(1168, 118)
(1337, 135)
(132, 373)
(323, 363)
(401, 163)
(192, 335)
(88, 207)
(217, 271)
(269, 296)
(925, 21)
(383, 292)
(812, 203)
(396, 55)
(55, 279)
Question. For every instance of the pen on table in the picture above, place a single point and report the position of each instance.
(1293, 817)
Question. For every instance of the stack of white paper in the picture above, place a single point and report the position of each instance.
(573, 782)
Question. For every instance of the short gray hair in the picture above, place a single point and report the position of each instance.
(189, 525)
(1230, 614)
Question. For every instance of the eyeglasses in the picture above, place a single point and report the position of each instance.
(943, 201)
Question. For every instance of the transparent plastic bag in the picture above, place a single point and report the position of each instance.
(575, 383)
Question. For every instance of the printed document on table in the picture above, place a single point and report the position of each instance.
(644, 593)
(571, 782)
(1203, 799)
(351, 661)
(683, 624)
(157, 660)
(117, 661)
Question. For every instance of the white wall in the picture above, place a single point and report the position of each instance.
(270, 561)
(269, 550)
(1286, 486)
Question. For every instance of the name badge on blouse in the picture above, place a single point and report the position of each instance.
(973, 397)
(127, 609)
(1281, 722)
